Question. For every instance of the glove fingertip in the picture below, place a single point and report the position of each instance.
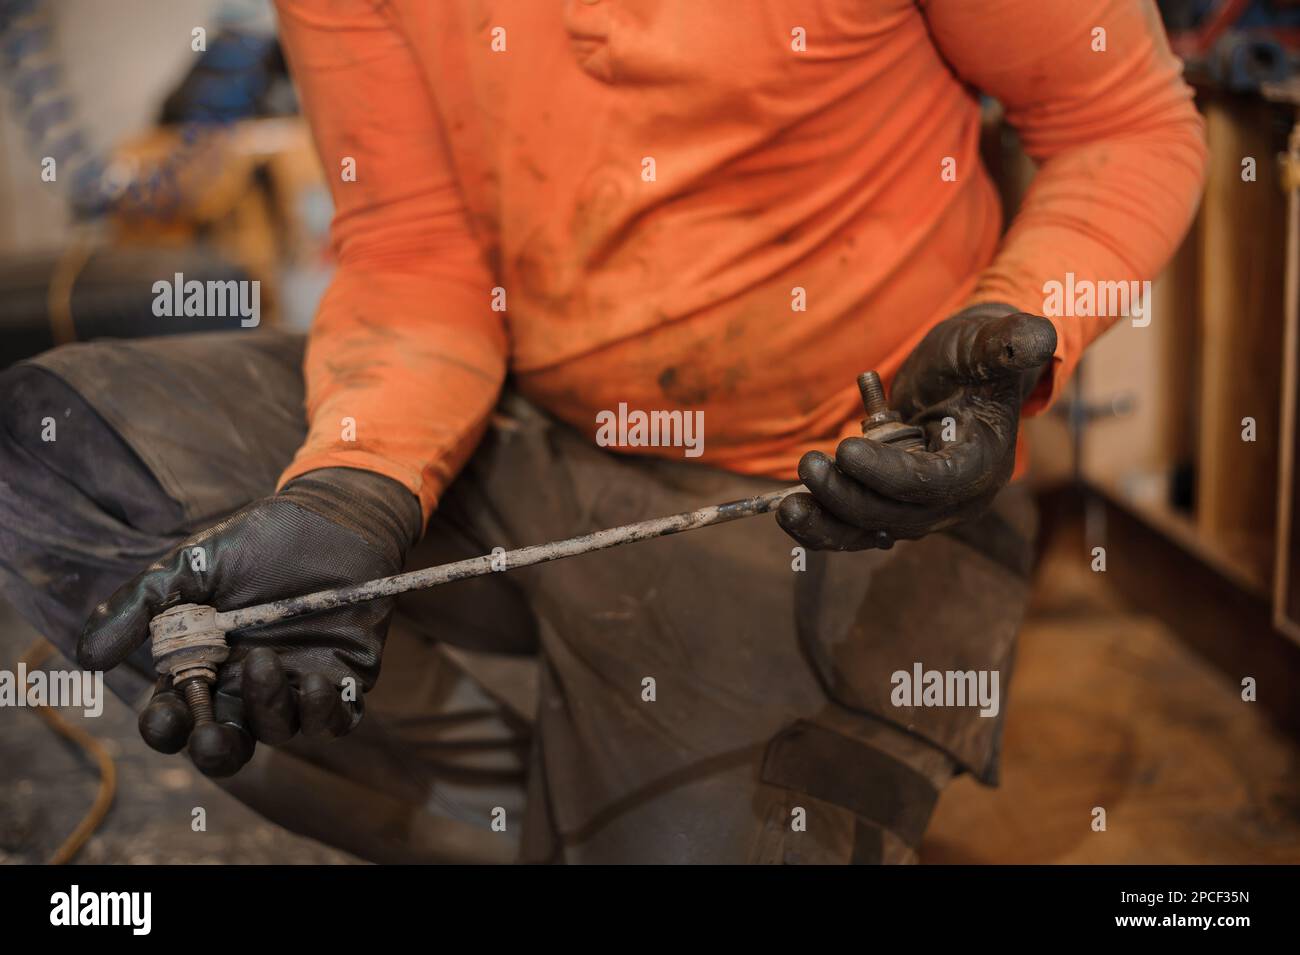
(874, 463)
(793, 511)
(812, 467)
(856, 453)
(1025, 341)
(1035, 341)
(220, 749)
(87, 658)
(109, 638)
(322, 710)
(165, 723)
(97, 647)
(119, 625)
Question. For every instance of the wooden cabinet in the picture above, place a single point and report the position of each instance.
(1204, 449)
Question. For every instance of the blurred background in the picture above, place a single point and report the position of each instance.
(161, 154)
(173, 152)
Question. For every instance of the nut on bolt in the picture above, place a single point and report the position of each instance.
(883, 423)
(188, 646)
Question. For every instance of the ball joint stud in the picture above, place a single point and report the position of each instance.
(188, 646)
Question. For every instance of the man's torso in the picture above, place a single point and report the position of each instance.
(659, 187)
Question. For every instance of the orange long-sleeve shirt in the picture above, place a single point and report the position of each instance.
(629, 201)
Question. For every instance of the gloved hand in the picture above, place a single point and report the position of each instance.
(976, 367)
(327, 528)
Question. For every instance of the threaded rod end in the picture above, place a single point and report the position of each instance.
(873, 392)
(199, 700)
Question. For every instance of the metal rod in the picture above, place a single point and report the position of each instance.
(508, 560)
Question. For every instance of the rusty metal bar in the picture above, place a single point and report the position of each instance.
(263, 614)
(189, 640)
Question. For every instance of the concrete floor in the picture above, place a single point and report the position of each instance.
(47, 784)
(1107, 709)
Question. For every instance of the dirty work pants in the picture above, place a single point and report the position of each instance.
(715, 696)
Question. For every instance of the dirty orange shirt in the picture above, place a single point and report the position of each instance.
(733, 206)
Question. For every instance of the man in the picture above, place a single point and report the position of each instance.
(655, 205)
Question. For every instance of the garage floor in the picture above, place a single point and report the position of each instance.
(47, 784)
(1107, 710)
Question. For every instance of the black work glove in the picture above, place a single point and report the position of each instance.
(975, 368)
(327, 528)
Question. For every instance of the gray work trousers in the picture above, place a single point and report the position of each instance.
(716, 696)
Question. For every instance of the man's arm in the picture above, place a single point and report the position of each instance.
(405, 343)
(1119, 144)
(1122, 160)
(405, 348)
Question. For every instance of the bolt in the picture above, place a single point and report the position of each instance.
(873, 393)
(882, 422)
(197, 696)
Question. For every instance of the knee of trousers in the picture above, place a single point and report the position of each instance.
(836, 798)
(79, 513)
(54, 437)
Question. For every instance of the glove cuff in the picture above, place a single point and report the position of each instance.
(376, 508)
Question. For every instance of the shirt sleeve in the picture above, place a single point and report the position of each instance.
(406, 357)
(1100, 105)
